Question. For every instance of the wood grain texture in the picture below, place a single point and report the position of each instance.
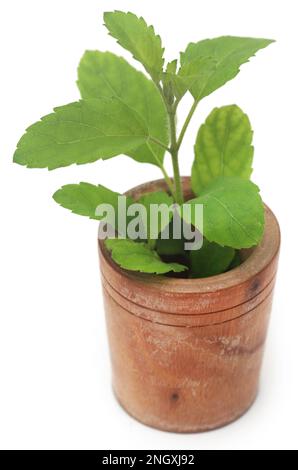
(186, 354)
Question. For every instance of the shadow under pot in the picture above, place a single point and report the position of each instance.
(186, 353)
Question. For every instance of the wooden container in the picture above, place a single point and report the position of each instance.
(186, 353)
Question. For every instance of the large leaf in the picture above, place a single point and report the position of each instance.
(228, 52)
(84, 198)
(81, 132)
(103, 74)
(223, 147)
(210, 259)
(233, 212)
(137, 37)
(162, 201)
(139, 257)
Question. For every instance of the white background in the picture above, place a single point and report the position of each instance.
(54, 363)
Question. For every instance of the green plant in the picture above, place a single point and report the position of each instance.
(122, 111)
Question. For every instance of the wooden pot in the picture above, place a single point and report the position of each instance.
(186, 353)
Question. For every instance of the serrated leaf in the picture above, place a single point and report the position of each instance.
(137, 37)
(233, 212)
(139, 257)
(160, 199)
(81, 132)
(103, 74)
(84, 198)
(210, 259)
(223, 147)
(228, 52)
(171, 68)
(192, 76)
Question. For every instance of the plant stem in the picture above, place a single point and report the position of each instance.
(177, 178)
(187, 121)
(174, 154)
(174, 149)
(164, 172)
(168, 181)
(152, 243)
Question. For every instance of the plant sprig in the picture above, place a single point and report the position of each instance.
(123, 111)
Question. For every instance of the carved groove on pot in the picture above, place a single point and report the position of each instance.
(186, 353)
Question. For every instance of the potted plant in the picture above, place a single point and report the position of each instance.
(187, 314)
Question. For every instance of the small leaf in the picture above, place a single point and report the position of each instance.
(84, 198)
(210, 259)
(139, 257)
(223, 147)
(137, 37)
(168, 80)
(192, 76)
(233, 212)
(171, 68)
(228, 52)
(81, 132)
(103, 74)
(159, 199)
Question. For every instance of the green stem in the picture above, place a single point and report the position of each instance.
(168, 181)
(152, 243)
(174, 154)
(187, 121)
(177, 178)
(164, 172)
(171, 109)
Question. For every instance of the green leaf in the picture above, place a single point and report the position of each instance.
(137, 37)
(171, 69)
(192, 76)
(168, 80)
(236, 261)
(139, 257)
(81, 132)
(103, 74)
(233, 212)
(171, 246)
(228, 52)
(84, 198)
(223, 147)
(210, 259)
(159, 199)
